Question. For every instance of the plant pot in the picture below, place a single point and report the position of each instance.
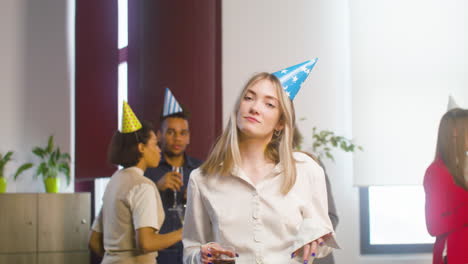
(52, 184)
(3, 184)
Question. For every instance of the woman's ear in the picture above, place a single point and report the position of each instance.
(141, 147)
(280, 125)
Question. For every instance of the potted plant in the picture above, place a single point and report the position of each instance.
(52, 163)
(4, 159)
(325, 140)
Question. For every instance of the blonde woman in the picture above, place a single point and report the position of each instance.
(254, 193)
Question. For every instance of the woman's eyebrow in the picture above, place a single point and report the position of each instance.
(267, 96)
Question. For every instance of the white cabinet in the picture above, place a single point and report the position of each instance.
(63, 258)
(18, 258)
(18, 225)
(44, 228)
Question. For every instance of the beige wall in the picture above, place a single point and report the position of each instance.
(35, 81)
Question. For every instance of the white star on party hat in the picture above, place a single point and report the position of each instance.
(171, 106)
(293, 77)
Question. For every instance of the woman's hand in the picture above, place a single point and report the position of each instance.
(310, 249)
(211, 251)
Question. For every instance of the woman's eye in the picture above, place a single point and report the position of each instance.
(247, 98)
(271, 105)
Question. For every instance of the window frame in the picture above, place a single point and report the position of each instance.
(371, 249)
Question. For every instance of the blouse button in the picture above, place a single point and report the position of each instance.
(255, 214)
(256, 238)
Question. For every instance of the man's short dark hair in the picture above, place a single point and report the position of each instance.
(185, 114)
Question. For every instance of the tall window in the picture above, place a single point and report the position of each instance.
(101, 183)
(123, 57)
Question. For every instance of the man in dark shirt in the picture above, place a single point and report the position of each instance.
(174, 136)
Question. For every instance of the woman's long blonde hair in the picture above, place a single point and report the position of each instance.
(225, 154)
(451, 144)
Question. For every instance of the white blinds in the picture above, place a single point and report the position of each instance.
(407, 58)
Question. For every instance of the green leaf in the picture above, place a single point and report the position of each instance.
(50, 144)
(8, 156)
(329, 156)
(66, 156)
(41, 170)
(343, 145)
(57, 154)
(5, 160)
(23, 167)
(65, 169)
(39, 152)
(52, 163)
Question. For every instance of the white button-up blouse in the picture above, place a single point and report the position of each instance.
(262, 224)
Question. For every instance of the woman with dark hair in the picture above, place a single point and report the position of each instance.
(446, 187)
(126, 230)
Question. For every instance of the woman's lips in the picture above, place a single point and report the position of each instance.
(251, 119)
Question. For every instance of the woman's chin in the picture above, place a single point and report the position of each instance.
(248, 134)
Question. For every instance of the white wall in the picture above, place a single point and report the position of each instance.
(407, 58)
(35, 82)
(266, 35)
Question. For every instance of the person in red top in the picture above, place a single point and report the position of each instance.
(446, 187)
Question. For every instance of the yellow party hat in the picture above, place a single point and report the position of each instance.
(130, 122)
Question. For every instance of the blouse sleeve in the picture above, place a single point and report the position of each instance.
(197, 225)
(316, 222)
(446, 203)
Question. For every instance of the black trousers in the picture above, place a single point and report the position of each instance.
(170, 256)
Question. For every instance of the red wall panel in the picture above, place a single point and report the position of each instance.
(95, 86)
(177, 44)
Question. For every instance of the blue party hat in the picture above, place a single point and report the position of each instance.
(171, 106)
(293, 77)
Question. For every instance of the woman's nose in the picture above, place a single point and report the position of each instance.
(254, 107)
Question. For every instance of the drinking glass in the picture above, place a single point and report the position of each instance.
(225, 259)
(179, 170)
(178, 208)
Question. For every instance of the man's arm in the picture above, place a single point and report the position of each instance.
(96, 243)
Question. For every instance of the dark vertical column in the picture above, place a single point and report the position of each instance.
(96, 91)
(95, 86)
